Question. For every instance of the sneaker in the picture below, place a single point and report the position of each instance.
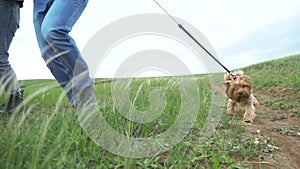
(15, 102)
(86, 99)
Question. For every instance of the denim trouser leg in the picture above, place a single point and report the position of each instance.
(53, 20)
(54, 64)
(9, 23)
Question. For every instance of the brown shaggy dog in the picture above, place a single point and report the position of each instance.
(239, 92)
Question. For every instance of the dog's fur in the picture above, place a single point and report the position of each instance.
(239, 92)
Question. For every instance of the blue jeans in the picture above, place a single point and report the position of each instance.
(9, 23)
(53, 20)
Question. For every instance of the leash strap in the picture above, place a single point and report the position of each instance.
(194, 39)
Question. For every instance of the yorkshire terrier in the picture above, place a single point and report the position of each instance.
(239, 92)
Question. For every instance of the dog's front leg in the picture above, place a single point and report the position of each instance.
(254, 100)
(249, 114)
(230, 107)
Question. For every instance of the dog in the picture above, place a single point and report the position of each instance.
(239, 92)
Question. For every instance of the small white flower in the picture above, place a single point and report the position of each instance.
(258, 131)
(273, 147)
(236, 147)
(256, 142)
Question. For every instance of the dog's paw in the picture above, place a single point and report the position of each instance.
(231, 113)
(248, 118)
(255, 102)
(248, 121)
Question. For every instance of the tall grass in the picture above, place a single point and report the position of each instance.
(47, 134)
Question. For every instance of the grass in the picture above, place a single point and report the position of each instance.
(48, 135)
(290, 131)
(280, 79)
(277, 73)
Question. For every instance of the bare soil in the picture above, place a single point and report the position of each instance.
(268, 120)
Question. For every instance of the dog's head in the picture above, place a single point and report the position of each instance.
(238, 89)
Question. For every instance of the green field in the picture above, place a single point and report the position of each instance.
(47, 134)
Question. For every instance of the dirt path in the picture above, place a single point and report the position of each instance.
(282, 126)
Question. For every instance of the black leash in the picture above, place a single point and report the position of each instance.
(191, 36)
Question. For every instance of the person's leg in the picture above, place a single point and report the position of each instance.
(56, 67)
(9, 23)
(60, 17)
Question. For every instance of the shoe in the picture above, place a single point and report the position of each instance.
(86, 99)
(15, 102)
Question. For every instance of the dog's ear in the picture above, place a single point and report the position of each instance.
(227, 84)
(227, 77)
